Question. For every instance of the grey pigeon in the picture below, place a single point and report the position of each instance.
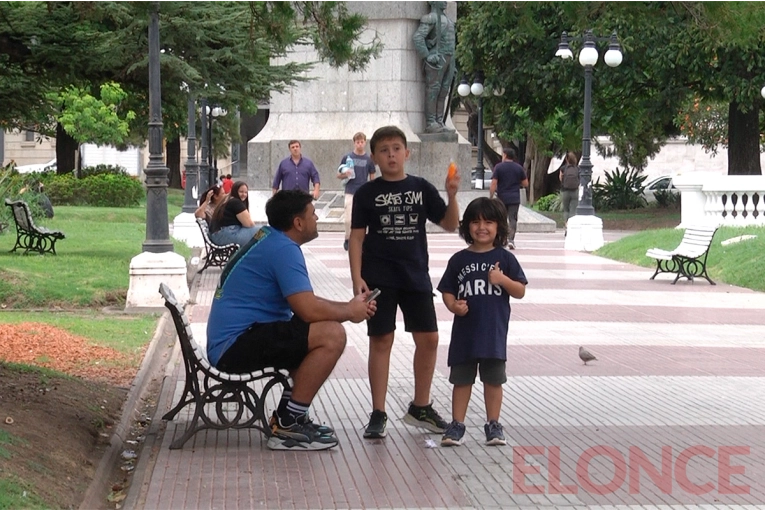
(585, 355)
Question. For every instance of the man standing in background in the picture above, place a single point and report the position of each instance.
(506, 181)
(296, 172)
(355, 169)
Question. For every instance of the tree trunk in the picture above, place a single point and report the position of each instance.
(743, 141)
(536, 165)
(66, 151)
(173, 148)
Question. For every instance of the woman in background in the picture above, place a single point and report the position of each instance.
(211, 198)
(231, 222)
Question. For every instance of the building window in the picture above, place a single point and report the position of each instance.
(29, 136)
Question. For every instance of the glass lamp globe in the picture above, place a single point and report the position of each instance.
(762, 92)
(463, 89)
(476, 89)
(588, 56)
(613, 58)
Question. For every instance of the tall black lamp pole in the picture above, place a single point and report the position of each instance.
(465, 89)
(204, 174)
(157, 228)
(588, 57)
(192, 169)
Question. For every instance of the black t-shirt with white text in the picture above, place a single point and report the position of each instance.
(394, 214)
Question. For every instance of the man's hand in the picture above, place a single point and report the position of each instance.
(360, 309)
(452, 184)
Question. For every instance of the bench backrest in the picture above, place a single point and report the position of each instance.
(21, 213)
(189, 347)
(696, 240)
(205, 231)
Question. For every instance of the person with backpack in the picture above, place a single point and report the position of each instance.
(569, 187)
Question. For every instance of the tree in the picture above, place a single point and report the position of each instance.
(222, 50)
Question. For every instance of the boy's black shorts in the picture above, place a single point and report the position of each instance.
(272, 344)
(417, 308)
(493, 372)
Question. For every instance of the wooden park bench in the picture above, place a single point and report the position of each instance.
(28, 235)
(216, 256)
(689, 259)
(219, 400)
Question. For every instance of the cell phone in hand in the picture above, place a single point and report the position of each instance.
(373, 295)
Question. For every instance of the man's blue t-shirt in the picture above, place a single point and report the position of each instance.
(482, 333)
(254, 288)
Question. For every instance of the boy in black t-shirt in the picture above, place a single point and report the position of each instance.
(388, 249)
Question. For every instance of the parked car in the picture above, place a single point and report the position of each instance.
(37, 167)
(663, 182)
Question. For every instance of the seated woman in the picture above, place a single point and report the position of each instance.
(231, 221)
(211, 198)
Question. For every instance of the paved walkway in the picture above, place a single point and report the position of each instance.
(672, 414)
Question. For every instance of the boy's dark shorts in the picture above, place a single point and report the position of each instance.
(272, 344)
(417, 308)
(493, 372)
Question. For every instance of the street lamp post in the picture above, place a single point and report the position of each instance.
(192, 169)
(465, 89)
(212, 161)
(204, 166)
(589, 235)
(157, 227)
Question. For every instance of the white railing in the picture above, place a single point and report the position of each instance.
(731, 200)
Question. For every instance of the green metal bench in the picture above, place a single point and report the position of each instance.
(28, 235)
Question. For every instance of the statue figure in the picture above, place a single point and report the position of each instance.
(434, 41)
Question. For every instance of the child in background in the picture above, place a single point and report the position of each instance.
(476, 287)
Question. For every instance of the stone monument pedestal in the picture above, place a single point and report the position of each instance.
(147, 271)
(185, 229)
(584, 233)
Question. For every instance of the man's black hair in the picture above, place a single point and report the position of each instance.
(284, 206)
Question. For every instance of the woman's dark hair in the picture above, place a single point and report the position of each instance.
(282, 208)
(490, 209)
(234, 195)
(213, 188)
(571, 159)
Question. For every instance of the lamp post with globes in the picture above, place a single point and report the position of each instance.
(465, 89)
(591, 229)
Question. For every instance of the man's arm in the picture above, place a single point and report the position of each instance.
(316, 191)
(277, 179)
(492, 188)
(354, 258)
(311, 308)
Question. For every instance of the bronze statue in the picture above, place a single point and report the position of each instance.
(434, 41)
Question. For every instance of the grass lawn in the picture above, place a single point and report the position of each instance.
(740, 264)
(92, 266)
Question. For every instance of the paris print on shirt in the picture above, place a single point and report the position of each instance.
(474, 281)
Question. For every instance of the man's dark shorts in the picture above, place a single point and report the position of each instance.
(417, 308)
(272, 344)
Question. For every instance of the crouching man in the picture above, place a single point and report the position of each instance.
(265, 314)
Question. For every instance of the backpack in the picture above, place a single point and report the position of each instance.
(570, 177)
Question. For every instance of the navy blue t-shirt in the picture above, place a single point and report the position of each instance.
(394, 214)
(363, 167)
(509, 175)
(482, 332)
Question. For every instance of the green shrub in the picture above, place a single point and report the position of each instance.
(622, 190)
(549, 203)
(101, 190)
(667, 198)
(90, 171)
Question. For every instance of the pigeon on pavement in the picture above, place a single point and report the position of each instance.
(585, 355)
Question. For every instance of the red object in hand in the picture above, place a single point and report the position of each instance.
(452, 170)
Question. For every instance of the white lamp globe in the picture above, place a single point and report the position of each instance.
(588, 56)
(463, 89)
(762, 92)
(476, 89)
(564, 53)
(613, 58)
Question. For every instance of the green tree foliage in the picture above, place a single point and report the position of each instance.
(227, 51)
(89, 119)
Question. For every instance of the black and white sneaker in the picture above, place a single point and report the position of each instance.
(298, 437)
(494, 434)
(425, 417)
(376, 426)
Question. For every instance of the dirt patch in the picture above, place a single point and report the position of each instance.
(54, 429)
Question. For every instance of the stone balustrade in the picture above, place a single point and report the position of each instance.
(730, 200)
